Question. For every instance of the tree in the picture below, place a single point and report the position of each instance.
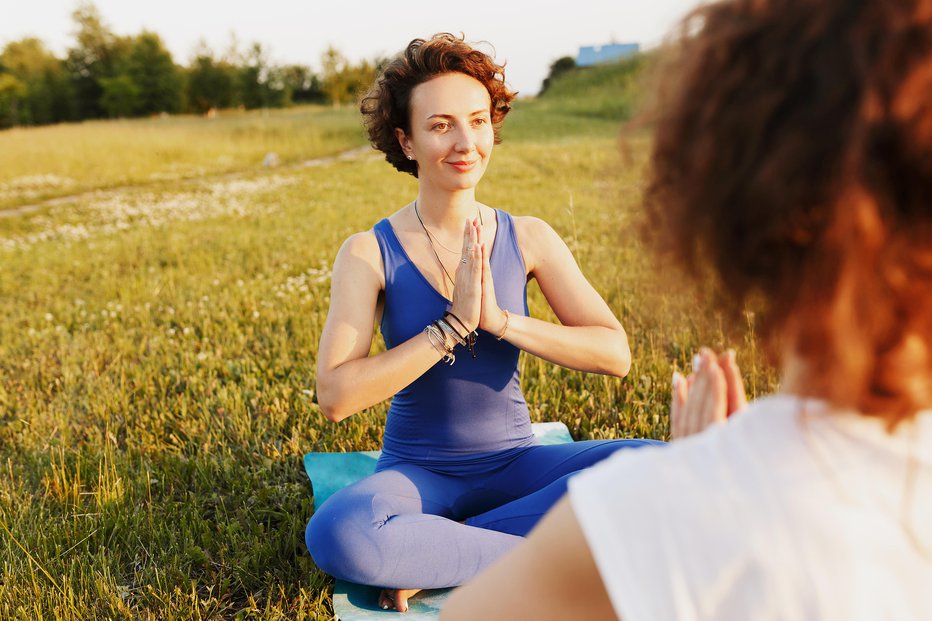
(12, 92)
(158, 81)
(334, 76)
(557, 68)
(211, 83)
(253, 76)
(98, 54)
(344, 82)
(46, 94)
(120, 97)
(302, 84)
(360, 78)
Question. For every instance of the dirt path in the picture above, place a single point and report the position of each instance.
(351, 154)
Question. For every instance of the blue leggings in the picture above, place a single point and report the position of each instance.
(434, 526)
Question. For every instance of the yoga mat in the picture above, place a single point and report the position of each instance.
(331, 472)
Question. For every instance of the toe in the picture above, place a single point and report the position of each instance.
(385, 600)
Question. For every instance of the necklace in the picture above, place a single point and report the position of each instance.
(434, 235)
(432, 238)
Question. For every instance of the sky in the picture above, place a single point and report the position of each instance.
(527, 35)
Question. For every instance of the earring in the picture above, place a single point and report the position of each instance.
(410, 157)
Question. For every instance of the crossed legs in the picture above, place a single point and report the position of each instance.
(400, 528)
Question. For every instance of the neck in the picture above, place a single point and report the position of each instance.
(793, 374)
(446, 210)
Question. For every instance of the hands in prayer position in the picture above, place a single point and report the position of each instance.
(474, 299)
(710, 394)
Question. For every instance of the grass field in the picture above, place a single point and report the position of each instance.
(158, 338)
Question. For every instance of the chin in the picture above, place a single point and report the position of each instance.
(463, 183)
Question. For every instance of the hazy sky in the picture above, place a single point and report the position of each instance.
(529, 35)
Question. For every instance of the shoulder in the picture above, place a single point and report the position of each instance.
(709, 499)
(766, 430)
(359, 256)
(532, 226)
(536, 238)
(363, 245)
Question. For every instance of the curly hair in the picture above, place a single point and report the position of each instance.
(387, 104)
(793, 163)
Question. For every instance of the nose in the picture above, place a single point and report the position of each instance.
(465, 141)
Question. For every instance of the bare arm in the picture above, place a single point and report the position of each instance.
(552, 575)
(348, 379)
(589, 337)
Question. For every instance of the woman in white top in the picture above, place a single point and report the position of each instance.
(793, 162)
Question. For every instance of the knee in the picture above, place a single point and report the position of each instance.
(315, 538)
(343, 539)
(325, 537)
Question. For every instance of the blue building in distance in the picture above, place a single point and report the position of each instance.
(595, 54)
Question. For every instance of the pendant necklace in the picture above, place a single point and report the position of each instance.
(432, 238)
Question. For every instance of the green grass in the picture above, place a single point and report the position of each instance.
(39, 163)
(157, 353)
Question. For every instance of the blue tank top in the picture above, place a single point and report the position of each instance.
(476, 405)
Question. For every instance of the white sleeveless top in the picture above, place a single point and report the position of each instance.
(787, 511)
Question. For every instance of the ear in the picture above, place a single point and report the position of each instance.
(405, 143)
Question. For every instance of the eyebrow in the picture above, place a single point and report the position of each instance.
(450, 116)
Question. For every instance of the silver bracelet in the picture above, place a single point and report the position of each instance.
(446, 327)
(439, 343)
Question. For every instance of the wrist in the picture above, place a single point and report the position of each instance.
(502, 325)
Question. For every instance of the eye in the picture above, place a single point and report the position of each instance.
(442, 126)
(479, 121)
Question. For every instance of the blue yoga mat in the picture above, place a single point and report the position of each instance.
(331, 472)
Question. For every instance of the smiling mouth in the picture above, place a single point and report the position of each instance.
(463, 165)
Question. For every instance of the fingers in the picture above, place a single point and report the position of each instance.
(737, 399)
(467, 292)
(487, 284)
(707, 402)
(677, 406)
(467, 236)
(472, 252)
(475, 259)
(469, 240)
(701, 399)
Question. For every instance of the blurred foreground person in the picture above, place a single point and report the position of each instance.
(793, 163)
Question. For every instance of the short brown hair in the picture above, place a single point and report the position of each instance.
(793, 161)
(387, 104)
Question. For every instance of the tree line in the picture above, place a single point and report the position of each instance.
(105, 75)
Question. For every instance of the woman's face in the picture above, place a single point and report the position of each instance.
(451, 131)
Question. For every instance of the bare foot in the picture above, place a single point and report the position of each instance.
(396, 599)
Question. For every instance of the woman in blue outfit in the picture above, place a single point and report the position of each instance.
(461, 479)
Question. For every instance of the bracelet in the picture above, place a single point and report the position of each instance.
(451, 331)
(439, 343)
(458, 320)
(471, 335)
(501, 334)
